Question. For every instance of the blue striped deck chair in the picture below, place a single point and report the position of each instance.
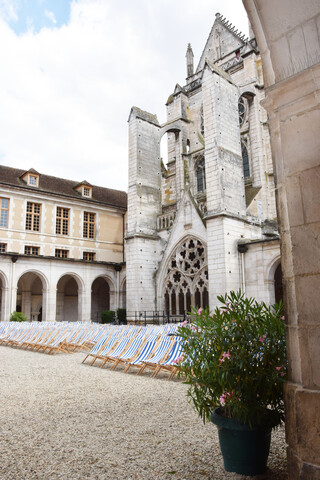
(31, 334)
(169, 363)
(145, 353)
(121, 348)
(41, 339)
(108, 348)
(131, 353)
(18, 336)
(57, 344)
(99, 345)
(159, 354)
(10, 334)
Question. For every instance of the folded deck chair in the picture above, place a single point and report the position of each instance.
(170, 363)
(161, 352)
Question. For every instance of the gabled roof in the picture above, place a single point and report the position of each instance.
(223, 39)
(11, 177)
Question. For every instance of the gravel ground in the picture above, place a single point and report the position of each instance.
(64, 420)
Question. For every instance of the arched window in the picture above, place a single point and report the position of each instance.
(186, 283)
(201, 176)
(242, 107)
(245, 157)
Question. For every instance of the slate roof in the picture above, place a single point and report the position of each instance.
(11, 177)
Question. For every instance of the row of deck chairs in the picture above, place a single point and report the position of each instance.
(51, 338)
(141, 348)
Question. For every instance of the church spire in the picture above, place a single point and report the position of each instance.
(189, 57)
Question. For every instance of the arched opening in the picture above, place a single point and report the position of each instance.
(30, 296)
(278, 289)
(67, 299)
(100, 298)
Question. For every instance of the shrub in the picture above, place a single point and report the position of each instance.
(18, 317)
(235, 360)
(122, 316)
(107, 316)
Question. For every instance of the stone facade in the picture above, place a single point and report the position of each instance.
(61, 247)
(289, 39)
(197, 224)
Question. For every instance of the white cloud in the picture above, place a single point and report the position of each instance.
(8, 10)
(67, 92)
(51, 16)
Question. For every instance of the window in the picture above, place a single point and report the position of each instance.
(4, 212)
(89, 225)
(62, 221)
(201, 176)
(33, 216)
(28, 250)
(86, 192)
(3, 247)
(89, 256)
(242, 107)
(33, 180)
(245, 158)
(61, 253)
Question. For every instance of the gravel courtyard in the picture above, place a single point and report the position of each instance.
(64, 420)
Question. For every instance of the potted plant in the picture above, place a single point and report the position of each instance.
(235, 365)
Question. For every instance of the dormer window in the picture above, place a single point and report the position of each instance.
(86, 192)
(84, 188)
(33, 180)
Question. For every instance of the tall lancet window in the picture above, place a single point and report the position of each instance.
(245, 157)
(201, 176)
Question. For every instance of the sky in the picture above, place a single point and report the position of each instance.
(72, 69)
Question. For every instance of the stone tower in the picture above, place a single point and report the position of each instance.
(205, 222)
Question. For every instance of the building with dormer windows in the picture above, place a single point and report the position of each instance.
(61, 247)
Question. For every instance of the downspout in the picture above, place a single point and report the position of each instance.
(242, 249)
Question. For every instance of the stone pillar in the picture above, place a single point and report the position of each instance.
(224, 178)
(49, 308)
(144, 205)
(26, 304)
(290, 55)
(84, 304)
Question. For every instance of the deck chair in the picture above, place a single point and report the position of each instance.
(145, 353)
(132, 352)
(97, 348)
(158, 355)
(169, 363)
(108, 348)
(119, 350)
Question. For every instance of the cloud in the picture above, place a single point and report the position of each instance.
(51, 16)
(8, 10)
(67, 92)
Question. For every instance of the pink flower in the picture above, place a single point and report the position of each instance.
(224, 397)
(194, 328)
(283, 317)
(183, 324)
(178, 360)
(262, 339)
(225, 355)
(199, 311)
(278, 368)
